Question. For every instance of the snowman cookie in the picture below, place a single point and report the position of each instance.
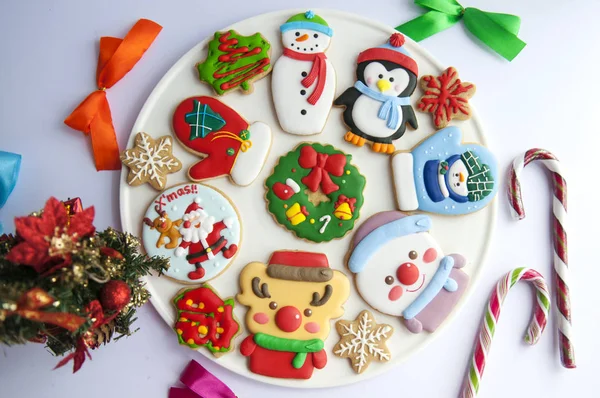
(315, 192)
(445, 176)
(235, 62)
(290, 302)
(197, 228)
(227, 144)
(401, 270)
(303, 81)
(378, 106)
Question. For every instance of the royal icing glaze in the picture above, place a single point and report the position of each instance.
(150, 161)
(205, 320)
(228, 144)
(378, 104)
(401, 270)
(442, 175)
(304, 80)
(446, 97)
(290, 302)
(331, 188)
(235, 61)
(196, 227)
(363, 341)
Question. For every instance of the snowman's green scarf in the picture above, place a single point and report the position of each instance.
(300, 347)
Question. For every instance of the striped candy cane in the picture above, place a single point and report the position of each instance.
(559, 239)
(490, 320)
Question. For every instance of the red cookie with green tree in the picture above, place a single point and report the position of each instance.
(315, 192)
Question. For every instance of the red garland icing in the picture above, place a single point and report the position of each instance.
(204, 320)
(446, 97)
(322, 165)
(232, 54)
(317, 73)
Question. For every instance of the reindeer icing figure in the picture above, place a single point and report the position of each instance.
(166, 227)
(291, 301)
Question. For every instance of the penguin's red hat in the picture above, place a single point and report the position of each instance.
(392, 51)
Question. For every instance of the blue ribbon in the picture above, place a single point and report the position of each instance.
(10, 164)
(389, 106)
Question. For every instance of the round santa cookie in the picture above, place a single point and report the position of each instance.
(378, 106)
(235, 62)
(196, 227)
(401, 270)
(227, 144)
(290, 301)
(304, 81)
(204, 319)
(443, 175)
(315, 192)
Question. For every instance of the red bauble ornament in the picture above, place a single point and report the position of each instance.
(115, 295)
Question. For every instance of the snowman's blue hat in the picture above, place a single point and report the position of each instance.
(379, 230)
(307, 20)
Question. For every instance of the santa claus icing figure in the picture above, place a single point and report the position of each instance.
(202, 239)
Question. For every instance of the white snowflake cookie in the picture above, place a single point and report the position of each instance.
(150, 161)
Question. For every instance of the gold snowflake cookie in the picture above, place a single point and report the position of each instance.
(150, 161)
(363, 341)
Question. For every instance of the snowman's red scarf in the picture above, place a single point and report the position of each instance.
(317, 72)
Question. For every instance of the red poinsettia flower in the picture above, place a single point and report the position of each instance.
(48, 240)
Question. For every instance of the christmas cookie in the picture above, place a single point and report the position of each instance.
(363, 341)
(303, 81)
(150, 161)
(315, 192)
(446, 97)
(442, 175)
(378, 105)
(401, 270)
(197, 228)
(235, 62)
(227, 144)
(205, 320)
(291, 301)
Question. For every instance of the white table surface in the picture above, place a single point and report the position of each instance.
(547, 97)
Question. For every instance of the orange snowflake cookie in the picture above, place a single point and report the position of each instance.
(446, 97)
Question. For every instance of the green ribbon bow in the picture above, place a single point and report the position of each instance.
(497, 31)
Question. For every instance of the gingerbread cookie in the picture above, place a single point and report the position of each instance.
(378, 105)
(445, 176)
(235, 62)
(315, 192)
(303, 80)
(446, 97)
(197, 227)
(227, 144)
(150, 161)
(363, 341)
(291, 301)
(401, 270)
(205, 320)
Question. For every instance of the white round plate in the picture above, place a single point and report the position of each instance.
(469, 235)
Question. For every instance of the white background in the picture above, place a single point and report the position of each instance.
(548, 97)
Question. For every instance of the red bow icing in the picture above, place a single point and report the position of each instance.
(322, 165)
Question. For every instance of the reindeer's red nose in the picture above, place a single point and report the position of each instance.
(288, 319)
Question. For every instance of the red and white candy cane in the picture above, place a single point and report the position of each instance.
(490, 320)
(559, 239)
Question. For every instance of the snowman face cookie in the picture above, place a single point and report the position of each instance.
(404, 267)
(387, 82)
(305, 41)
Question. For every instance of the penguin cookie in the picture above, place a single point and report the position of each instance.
(378, 105)
(303, 81)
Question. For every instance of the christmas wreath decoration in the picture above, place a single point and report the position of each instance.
(67, 285)
(315, 192)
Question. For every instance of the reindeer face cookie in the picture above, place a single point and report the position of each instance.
(197, 227)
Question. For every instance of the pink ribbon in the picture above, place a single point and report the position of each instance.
(200, 383)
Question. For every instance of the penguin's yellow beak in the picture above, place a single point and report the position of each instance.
(383, 85)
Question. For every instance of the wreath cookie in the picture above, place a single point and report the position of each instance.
(315, 192)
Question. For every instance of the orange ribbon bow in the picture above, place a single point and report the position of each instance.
(92, 116)
(30, 307)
